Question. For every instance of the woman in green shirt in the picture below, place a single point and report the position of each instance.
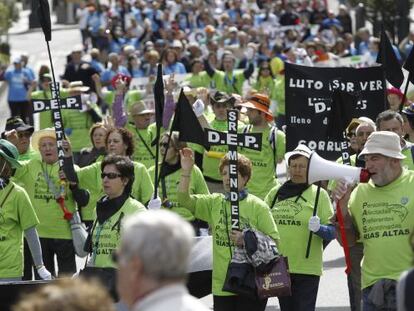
(170, 177)
(215, 209)
(292, 206)
(117, 174)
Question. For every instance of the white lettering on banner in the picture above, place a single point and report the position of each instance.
(297, 120)
(322, 145)
(318, 104)
(70, 102)
(231, 139)
(250, 141)
(308, 83)
(233, 155)
(213, 137)
(38, 105)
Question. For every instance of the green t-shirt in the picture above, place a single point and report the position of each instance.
(279, 95)
(197, 186)
(199, 80)
(77, 126)
(292, 220)
(229, 83)
(384, 217)
(106, 236)
(214, 209)
(33, 177)
(16, 216)
(45, 117)
(143, 152)
(408, 162)
(264, 162)
(30, 154)
(90, 179)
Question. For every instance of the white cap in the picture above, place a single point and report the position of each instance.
(385, 143)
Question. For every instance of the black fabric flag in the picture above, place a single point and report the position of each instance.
(43, 13)
(186, 122)
(409, 65)
(343, 108)
(389, 61)
(159, 97)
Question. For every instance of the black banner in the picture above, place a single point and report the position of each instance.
(309, 93)
(73, 102)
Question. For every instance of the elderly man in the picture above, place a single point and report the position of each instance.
(22, 133)
(152, 263)
(383, 213)
(392, 121)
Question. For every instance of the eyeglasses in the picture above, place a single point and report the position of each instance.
(110, 175)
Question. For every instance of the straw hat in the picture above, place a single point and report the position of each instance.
(259, 102)
(38, 135)
(385, 143)
(140, 108)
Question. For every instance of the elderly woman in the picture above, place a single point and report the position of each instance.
(292, 206)
(170, 176)
(215, 209)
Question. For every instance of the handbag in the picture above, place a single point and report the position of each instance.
(275, 282)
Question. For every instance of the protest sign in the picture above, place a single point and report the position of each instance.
(309, 97)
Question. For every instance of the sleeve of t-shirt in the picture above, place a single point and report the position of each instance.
(27, 215)
(199, 182)
(7, 76)
(21, 172)
(325, 208)
(280, 146)
(88, 177)
(271, 195)
(145, 189)
(266, 223)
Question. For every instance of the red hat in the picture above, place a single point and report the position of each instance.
(259, 102)
(395, 91)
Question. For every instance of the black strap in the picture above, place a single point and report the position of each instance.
(145, 144)
(7, 195)
(163, 189)
(412, 152)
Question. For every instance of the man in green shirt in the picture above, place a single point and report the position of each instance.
(144, 132)
(390, 120)
(273, 145)
(21, 137)
(383, 213)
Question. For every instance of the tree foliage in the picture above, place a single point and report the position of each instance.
(9, 13)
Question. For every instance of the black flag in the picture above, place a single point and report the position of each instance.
(159, 97)
(342, 110)
(186, 122)
(409, 65)
(389, 61)
(43, 13)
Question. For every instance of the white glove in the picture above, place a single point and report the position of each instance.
(44, 273)
(154, 204)
(249, 53)
(198, 108)
(314, 224)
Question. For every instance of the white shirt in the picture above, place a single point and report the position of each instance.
(170, 298)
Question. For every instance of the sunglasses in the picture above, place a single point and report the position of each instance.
(110, 175)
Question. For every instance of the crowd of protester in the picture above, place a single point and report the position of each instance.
(223, 55)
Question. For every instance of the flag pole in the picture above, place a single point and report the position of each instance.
(404, 98)
(315, 209)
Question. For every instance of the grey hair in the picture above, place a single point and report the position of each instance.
(162, 240)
